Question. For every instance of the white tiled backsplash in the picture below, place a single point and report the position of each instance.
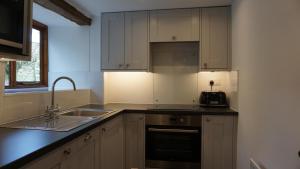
(24, 105)
(138, 87)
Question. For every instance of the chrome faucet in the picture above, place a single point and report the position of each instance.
(53, 109)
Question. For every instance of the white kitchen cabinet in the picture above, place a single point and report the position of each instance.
(125, 43)
(134, 141)
(215, 39)
(88, 151)
(136, 41)
(61, 158)
(112, 41)
(112, 144)
(175, 25)
(81, 153)
(218, 142)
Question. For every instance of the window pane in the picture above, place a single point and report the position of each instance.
(30, 71)
(7, 74)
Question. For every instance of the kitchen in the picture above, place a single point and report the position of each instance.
(141, 71)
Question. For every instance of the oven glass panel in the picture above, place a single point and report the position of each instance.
(12, 18)
(182, 146)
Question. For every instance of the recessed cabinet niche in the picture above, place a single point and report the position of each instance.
(125, 41)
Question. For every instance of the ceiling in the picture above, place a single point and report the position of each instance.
(95, 7)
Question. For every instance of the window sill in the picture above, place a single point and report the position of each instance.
(26, 90)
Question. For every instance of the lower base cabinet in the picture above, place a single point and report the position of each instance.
(120, 144)
(78, 154)
(134, 125)
(219, 142)
(112, 144)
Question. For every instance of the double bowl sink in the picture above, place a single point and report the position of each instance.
(64, 121)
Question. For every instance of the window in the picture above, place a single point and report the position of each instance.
(34, 73)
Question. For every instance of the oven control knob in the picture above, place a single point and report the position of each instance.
(181, 120)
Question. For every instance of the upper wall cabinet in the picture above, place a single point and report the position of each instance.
(136, 40)
(125, 41)
(15, 29)
(112, 36)
(215, 39)
(174, 25)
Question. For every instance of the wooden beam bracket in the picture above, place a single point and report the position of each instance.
(66, 10)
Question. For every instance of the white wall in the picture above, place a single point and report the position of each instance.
(69, 55)
(96, 77)
(74, 51)
(266, 51)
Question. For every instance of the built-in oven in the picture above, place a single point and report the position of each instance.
(173, 141)
(15, 27)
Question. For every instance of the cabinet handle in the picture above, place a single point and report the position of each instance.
(205, 65)
(67, 151)
(127, 66)
(174, 38)
(87, 137)
(120, 65)
(103, 129)
(208, 120)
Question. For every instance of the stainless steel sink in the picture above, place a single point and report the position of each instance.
(86, 112)
(61, 123)
(66, 121)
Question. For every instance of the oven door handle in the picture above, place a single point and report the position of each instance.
(173, 130)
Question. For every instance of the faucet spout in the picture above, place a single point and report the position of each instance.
(54, 84)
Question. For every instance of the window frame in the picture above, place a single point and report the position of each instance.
(13, 84)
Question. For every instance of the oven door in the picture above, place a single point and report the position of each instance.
(170, 147)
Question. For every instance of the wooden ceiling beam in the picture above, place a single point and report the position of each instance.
(66, 10)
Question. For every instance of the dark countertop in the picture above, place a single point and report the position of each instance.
(21, 146)
(159, 109)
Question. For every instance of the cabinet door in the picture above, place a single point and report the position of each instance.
(136, 40)
(62, 158)
(216, 38)
(112, 36)
(16, 44)
(218, 142)
(50, 161)
(87, 153)
(174, 25)
(112, 145)
(135, 141)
